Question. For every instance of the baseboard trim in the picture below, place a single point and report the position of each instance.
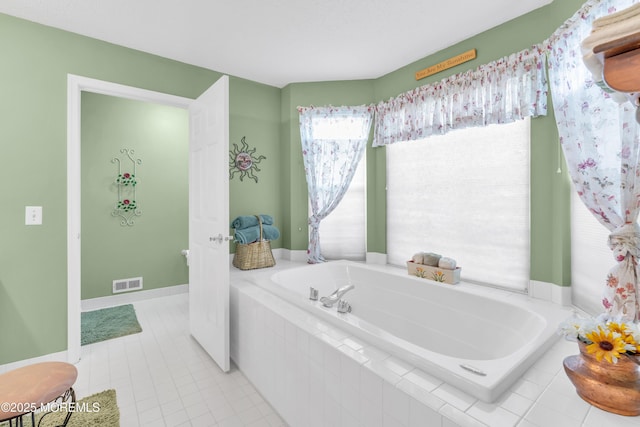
(128, 298)
(301, 256)
(53, 357)
(561, 295)
(294, 255)
(376, 258)
(550, 292)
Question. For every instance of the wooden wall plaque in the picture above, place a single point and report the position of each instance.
(451, 62)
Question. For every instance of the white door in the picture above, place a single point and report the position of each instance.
(209, 221)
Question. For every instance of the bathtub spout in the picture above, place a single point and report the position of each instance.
(336, 295)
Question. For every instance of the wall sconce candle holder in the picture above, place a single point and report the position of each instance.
(126, 183)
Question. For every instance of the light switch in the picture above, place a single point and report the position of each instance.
(33, 215)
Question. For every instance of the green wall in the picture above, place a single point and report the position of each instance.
(33, 144)
(550, 249)
(254, 111)
(150, 248)
(33, 84)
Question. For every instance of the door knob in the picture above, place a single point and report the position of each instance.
(220, 238)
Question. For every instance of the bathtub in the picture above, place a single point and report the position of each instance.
(478, 340)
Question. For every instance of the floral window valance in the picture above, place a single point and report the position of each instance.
(502, 91)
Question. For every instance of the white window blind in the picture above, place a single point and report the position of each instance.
(343, 232)
(591, 258)
(464, 195)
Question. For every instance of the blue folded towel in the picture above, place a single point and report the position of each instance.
(247, 221)
(251, 234)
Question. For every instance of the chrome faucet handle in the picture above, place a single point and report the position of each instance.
(313, 294)
(344, 307)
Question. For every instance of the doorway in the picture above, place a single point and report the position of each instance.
(133, 232)
(75, 86)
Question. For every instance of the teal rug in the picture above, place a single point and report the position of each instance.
(108, 323)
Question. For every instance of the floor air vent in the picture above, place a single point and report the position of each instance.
(125, 285)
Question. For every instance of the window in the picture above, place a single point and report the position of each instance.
(333, 144)
(343, 232)
(591, 258)
(463, 195)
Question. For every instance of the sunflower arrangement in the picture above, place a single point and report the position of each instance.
(604, 336)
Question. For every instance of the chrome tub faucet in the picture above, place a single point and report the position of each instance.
(336, 295)
(344, 306)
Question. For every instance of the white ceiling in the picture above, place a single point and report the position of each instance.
(278, 42)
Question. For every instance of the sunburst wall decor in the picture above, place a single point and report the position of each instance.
(243, 161)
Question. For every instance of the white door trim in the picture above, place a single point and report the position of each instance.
(75, 86)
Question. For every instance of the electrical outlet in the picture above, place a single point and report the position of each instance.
(33, 215)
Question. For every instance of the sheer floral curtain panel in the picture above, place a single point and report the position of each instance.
(599, 138)
(333, 142)
(502, 91)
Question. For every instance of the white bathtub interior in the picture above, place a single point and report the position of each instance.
(476, 336)
(479, 343)
(316, 374)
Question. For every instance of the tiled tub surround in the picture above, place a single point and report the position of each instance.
(478, 343)
(315, 374)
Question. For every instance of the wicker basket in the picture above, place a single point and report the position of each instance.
(250, 256)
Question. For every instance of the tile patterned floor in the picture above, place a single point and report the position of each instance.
(162, 377)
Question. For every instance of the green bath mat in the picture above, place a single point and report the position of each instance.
(100, 409)
(97, 410)
(108, 323)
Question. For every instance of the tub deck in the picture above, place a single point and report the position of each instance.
(273, 339)
(472, 337)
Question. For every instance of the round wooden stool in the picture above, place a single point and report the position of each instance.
(27, 389)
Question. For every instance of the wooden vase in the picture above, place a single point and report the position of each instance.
(612, 387)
